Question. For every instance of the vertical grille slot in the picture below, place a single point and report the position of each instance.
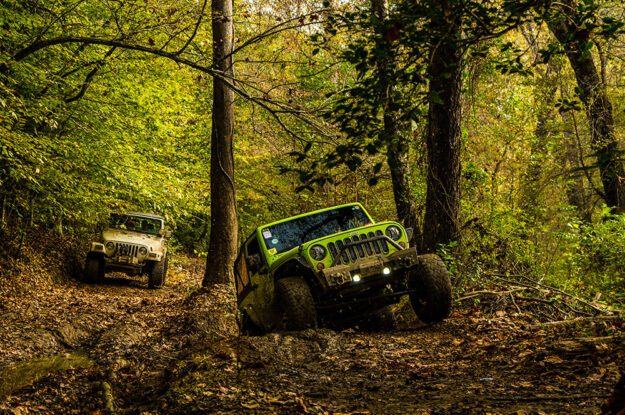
(367, 246)
(351, 249)
(333, 251)
(129, 250)
(360, 250)
(357, 247)
(344, 257)
(376, 244)
(382, 242)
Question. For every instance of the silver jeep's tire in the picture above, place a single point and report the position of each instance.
(94, 268)
(158, 273)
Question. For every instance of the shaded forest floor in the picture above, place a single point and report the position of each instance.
(66, 347)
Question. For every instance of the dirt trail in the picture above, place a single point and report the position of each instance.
(153, 351)
(472, 363)
(116, 324)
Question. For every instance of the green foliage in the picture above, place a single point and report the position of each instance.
(87, 129)
(135, 134)
(596, 256)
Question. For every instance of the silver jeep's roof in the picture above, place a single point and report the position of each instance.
(140, 214)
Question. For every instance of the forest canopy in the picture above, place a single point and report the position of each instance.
(494, 129)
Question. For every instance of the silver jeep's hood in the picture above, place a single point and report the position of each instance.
(154, 243)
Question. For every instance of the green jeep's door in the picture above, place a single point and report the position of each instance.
(255, 288)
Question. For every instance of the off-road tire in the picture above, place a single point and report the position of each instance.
(430, 286)
(157, 276)
(94, 269)
(297, 303)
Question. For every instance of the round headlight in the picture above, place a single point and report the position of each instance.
(317, 252)
(143, 250)
(109, 246)
(393, 232)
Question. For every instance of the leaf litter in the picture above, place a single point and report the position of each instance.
(177, 351)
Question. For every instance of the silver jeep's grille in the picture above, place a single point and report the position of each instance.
(124, 249)
(363, 246)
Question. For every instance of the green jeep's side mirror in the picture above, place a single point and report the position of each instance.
(409, 234)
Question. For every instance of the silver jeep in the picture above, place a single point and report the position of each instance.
(132, 243)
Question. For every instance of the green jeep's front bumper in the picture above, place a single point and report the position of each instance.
(367, 269)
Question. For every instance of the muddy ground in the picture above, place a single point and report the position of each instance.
(67, 347)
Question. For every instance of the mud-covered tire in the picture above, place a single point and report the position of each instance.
(297, 303)
(430, 286)
(158, 273)
(94, 269)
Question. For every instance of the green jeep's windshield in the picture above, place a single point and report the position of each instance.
(287, 235)
(135, 223)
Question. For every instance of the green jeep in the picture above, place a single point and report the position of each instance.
(335, 266)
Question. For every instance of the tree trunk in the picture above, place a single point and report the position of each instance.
(532, 200)
(575, 190)
(598, 107)
(399, 164)
(222, 247)
(396, 147)
(443, 132)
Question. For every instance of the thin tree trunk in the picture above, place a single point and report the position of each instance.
(598, 107)
(399, 164)
(397, 148)
(223, 230)
(3, 216)
(547, 88)
(443, 132)
(575, 189)
(544, 96)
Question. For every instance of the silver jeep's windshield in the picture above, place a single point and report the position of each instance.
(151, 226)
(287, 235)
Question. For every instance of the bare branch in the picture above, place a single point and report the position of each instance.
(38, 45)
(197, 26)
(90, 75)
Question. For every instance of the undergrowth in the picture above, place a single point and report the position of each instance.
(584, 259)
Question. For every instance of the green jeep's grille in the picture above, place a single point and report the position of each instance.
(358, 246)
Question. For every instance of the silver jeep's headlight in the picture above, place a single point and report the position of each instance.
(317, 252)
(110, 246)
(143, 250)
(393, 232)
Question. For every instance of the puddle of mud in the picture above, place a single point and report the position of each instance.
(17, 376)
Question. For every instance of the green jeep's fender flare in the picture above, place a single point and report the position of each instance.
(297, 267)
(264, 297)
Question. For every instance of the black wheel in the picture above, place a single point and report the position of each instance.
(297, 303)
(430, 286)
(94, 268)
(157, 276)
